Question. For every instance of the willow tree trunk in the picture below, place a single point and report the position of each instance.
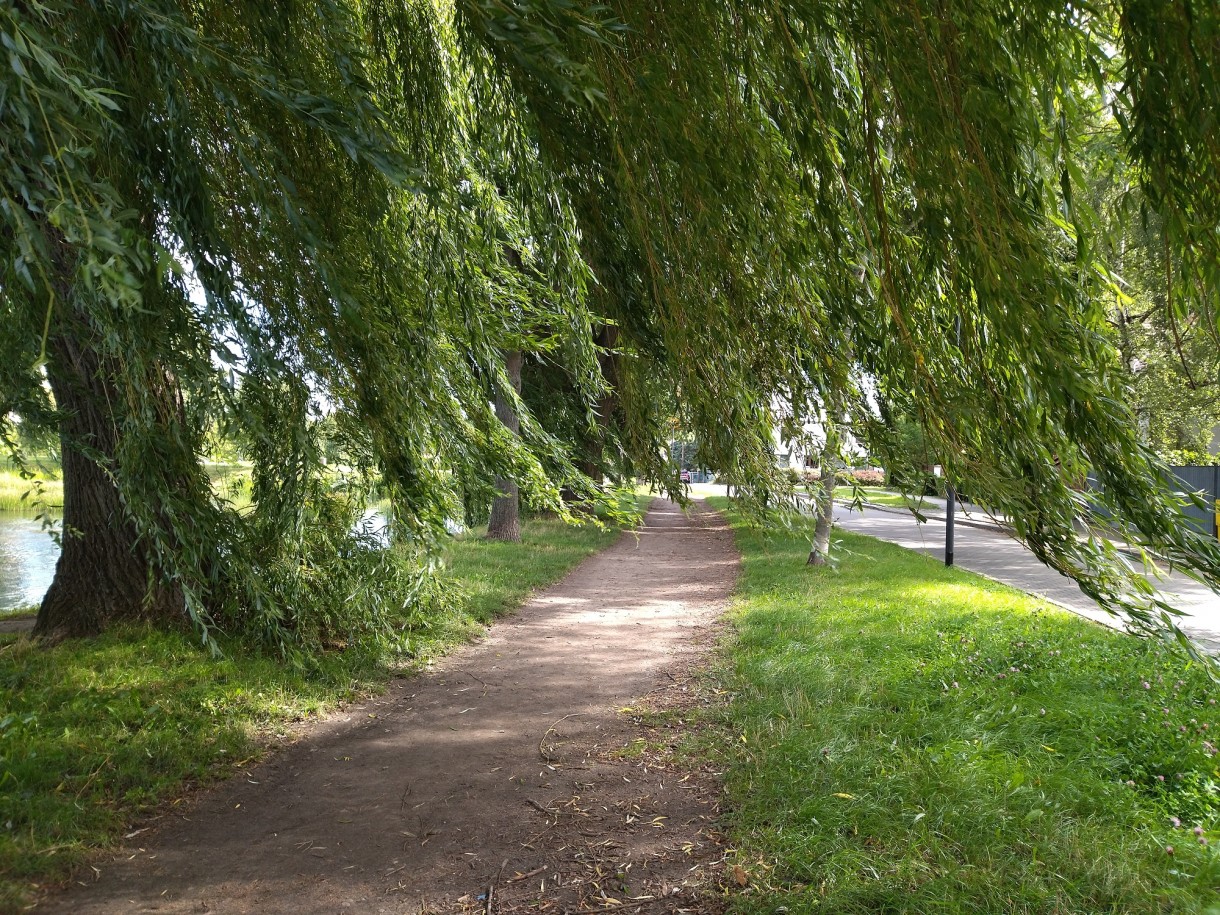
(104, 574)
(607, 404)
(505, 521)
(825, 501)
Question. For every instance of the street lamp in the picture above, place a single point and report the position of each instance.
(950, 492)
(950, 506)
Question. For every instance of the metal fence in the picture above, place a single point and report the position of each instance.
(1202, 480)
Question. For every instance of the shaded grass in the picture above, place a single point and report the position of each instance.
(94, 734)
(909, 738)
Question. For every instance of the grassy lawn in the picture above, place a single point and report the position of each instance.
(908, 738)
(879, 497)
(94, 734)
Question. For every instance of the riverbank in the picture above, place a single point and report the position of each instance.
(97, 734)
(908, 737)
(29, 496)
(45, 492)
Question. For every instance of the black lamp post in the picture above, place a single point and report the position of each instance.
(950, 506)
(950, 492)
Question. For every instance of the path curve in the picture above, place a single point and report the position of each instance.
(420, 799)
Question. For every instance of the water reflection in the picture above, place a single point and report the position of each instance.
(28, 555)
(27, 561)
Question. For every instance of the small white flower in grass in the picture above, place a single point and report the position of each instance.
(1198, 830)
(1169, 849)
(1177, 824)
(1146, 685)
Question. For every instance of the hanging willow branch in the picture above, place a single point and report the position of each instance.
(777, 205)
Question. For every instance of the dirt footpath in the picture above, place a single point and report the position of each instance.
(502, 772)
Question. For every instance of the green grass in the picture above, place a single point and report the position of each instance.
(93, 734)
(17, 495)
(908, 738)
(879, 497)
(232, 481)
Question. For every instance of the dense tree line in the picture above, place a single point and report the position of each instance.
(744, 214)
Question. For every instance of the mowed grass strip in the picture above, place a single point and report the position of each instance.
(908, 738)
(95, 734)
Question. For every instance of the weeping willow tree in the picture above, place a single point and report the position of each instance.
(788, 202)
(739, 212)
(289, 196)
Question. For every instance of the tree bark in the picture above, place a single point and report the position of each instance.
(607, 403)
(820, 554)
(104, 573)
(505, 520)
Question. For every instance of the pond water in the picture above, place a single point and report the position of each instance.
(27, 561)
(28, 555)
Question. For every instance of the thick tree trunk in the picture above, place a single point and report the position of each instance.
(104, 574)
(505, 521)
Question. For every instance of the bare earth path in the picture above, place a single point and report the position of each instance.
(497, 770)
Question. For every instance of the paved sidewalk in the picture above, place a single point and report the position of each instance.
(989, 551)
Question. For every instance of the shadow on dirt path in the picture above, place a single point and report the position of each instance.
(499, 771)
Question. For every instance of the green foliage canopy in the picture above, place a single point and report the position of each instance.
(784, 207)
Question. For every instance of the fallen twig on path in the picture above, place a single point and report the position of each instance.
(491, 888)
(541, 751)
(473, 677)
(610, 907)
(534, 873)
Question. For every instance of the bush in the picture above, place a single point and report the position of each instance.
(861, 477)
